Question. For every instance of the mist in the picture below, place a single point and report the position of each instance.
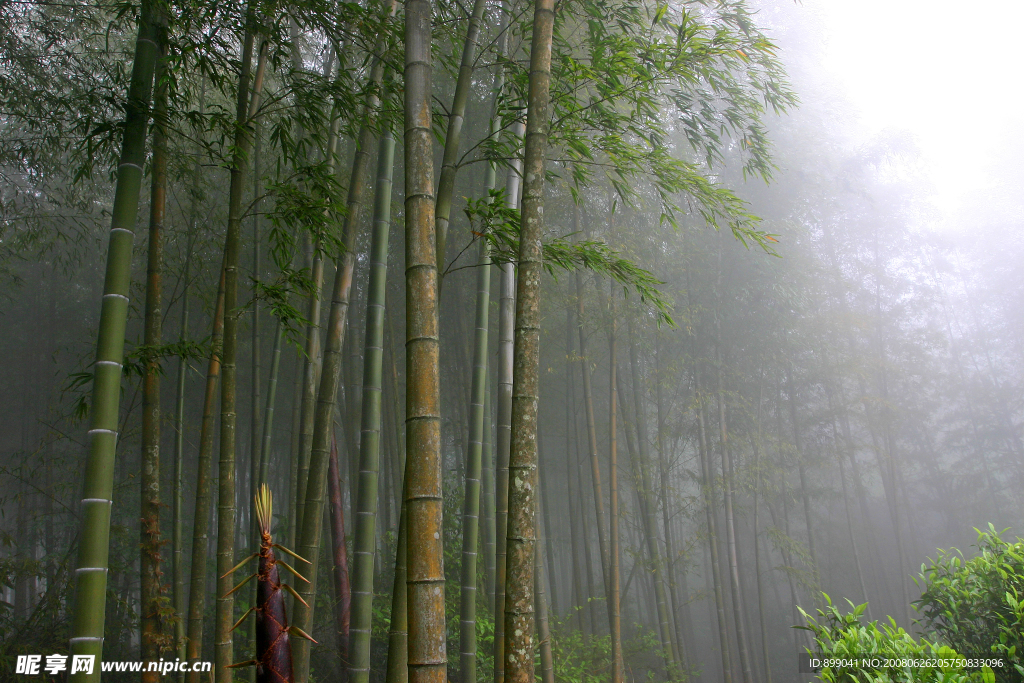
(578, 341)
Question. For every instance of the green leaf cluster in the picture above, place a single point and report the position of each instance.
(975, 604)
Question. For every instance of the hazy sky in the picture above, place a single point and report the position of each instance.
(950, 73)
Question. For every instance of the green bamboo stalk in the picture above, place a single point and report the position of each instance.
(369, 443)
(423, 492)
(178, 569)
(91, 575)
(226, 527)
(474, 465)
(398, 630)
(316, 484)
(489, 542)
(449, 162)
(506, 323)
(204, 475)
(521, 537)
(547, 662)
(268, 415)
(152, 634)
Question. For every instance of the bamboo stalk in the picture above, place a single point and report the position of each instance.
(369, 443)
(91, 575)
(312, 513)
(151, 624)
(203, 504)
(521, 536)
(226, 527)
(427, 659)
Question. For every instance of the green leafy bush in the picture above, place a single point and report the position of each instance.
(975, 605)
(880, 653)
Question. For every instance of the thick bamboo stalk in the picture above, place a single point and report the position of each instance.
(369, 443)
(151, 625)
(203, 504)
(423, 494)
(226, 527)
(94, 535)
(521, 537)
(312, 513)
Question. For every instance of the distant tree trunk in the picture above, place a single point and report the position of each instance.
(152, 635)
(707, 486)
(618, 669)
(203, 504)
(648, 509)
(757, 535)
(571, 478)
(549, 550)
(680, 612)
(369, 444)
(588, 400)
(521, 537)
(91, 575)
(268, 415)
(423, 495)
(791, 392)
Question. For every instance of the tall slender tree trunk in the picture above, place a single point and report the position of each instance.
(151, 589)
(339, 557)
(547, 663)
(180, 627)
(618, 669)
(423, 495)
(204, 476)
(369, 443)
(490, 533)
(246, 110)
(87, 622)
(474, 465)
(707, 486)
(312, 512)
(521, 536)
(757, 536)
(681, 612)
(506, 323)
(571, 478)
(648, 509)
(449, 162)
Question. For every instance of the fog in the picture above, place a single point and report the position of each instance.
(694, 348)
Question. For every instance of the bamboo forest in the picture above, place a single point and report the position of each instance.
(511, 340)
